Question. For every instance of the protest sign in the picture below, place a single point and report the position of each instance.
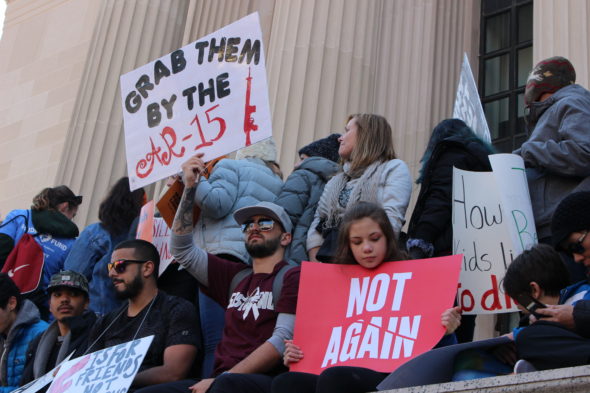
(210, 96)
(160, 240)
(492, 225)
(42, 381)
(110, 370)
(145, 226)
(468, 105)
(511, 180)
(351, 316)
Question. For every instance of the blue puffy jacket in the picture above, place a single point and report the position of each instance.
(233, 184)
(24, 329)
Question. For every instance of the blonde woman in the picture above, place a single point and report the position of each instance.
(371, 173)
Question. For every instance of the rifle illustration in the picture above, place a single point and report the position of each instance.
(249, 110)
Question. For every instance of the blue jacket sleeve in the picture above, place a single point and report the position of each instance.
(217, 195)
(87, 250)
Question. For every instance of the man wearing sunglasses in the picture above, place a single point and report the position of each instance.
(570, 226)
(133, 270)
(256, 324)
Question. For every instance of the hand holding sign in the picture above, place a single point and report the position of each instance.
(192, 169)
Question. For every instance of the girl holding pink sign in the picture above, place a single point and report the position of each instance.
(367, 239)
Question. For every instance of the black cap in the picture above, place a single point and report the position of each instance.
(572, 215)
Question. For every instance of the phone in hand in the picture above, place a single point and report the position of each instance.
(530, 304)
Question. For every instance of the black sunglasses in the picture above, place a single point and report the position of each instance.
(121, 264)
(577, 247)
(264, 225)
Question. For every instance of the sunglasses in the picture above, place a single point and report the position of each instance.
(577, 247)
(264, 225)
(121, 264)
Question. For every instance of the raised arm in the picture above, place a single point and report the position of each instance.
(182, 245)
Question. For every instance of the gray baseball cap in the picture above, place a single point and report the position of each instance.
(69, 279)
(269, 209)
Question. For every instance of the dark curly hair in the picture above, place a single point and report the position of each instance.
(121, 206)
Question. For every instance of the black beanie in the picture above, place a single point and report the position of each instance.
(326, 147)
(572, 215)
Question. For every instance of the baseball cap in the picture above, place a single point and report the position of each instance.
(269, 209)
(70, 279)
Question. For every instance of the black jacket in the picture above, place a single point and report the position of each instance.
(431, 218)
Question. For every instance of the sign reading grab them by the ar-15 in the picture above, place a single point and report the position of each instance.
(110, 370)
(492, 224)
(375, 318)
(210, 96)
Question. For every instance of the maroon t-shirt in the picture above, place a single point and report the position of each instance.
(250, 316)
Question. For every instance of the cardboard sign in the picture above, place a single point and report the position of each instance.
(108, 370)
(145, 226)
(492, 225)
(351, 316)
(160, 240)
(210, 96)
(468, 105)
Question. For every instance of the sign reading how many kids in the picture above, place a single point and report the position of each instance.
(209, 96)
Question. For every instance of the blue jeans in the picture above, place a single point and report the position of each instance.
(212, 322)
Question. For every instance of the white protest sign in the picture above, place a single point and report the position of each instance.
(481, 234)
(110, 370)
(160, 240)
(511, 180)
(468, 105)
(210, 96)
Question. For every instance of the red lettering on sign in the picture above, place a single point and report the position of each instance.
(145, 166)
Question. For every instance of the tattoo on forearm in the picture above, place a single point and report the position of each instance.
(183, 221)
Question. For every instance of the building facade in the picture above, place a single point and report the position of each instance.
(60, 62)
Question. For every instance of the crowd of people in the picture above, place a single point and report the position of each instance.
(225, 322)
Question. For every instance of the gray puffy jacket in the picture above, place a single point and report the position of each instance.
(300, 196)
(557, 154)
(233, 184)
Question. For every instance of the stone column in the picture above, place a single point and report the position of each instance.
(127, 35)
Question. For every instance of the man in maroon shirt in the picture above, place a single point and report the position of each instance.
(256, 325)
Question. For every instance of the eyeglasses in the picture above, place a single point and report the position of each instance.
(264, 225)
(577, 247)
(121, 264)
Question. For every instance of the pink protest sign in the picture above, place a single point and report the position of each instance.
(351, 316)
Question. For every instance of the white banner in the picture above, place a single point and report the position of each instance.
(110, 370)
(210, 96)
(160, 240)
(511, 180)
(468, 105)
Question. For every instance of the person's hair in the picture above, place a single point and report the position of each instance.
(541, 264)
(9, 289)
(51, 197)
(142, 250)
(357, 212)
(374, 141)
(446, 129)
(121, 206)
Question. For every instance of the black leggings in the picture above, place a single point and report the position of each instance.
(332, 380)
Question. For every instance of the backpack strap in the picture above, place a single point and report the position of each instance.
(277, 285)
(237, 279)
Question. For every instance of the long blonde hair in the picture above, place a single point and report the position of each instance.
(374, 142)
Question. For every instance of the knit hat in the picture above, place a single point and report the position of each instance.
(326, 147)
(572, 215)
(548, 76)
(265, 150)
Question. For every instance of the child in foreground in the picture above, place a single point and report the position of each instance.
(366, 238)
